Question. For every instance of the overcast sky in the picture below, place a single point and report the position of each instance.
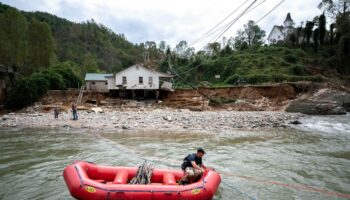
(171, 21)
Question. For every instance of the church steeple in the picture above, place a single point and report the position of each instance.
(288, 18)
(288, 22)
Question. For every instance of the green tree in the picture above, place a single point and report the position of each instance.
(334, 8)
(343, 55)
(70, 74)
(13, 41)
(331, 39)
(56, 81)
(213, 48)
(322, 28)
(316, 38)
(299, 30)
(181, 48)
(41, 45)
(343, 24)
(89, 65)
(292, 38)
(251, 34)
(308, 30)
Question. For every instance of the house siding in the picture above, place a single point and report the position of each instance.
(132, 75)
(100, 86)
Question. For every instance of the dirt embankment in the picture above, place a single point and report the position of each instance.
(276, 97)
(242, 98)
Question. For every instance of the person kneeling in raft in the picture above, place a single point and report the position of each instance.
(193, 167)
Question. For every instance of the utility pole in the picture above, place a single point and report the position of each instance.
(146, 57)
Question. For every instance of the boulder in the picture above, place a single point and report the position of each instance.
(342, 98)
(167, 118)
(295, 122)
(125, 127)
(97, 110)
(314, 107)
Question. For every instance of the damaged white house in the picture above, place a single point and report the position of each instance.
(135, 81)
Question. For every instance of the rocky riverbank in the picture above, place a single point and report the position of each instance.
(157, 119)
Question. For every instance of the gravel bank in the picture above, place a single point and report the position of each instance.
(158, 119)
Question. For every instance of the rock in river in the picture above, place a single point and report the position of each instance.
(313, 107)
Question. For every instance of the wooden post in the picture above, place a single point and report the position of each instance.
(133, 94)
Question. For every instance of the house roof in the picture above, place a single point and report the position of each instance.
(288, 18)
(161, 74)
(96, 77)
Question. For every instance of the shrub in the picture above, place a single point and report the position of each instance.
(71, 79)
(298, 70)
(27, 91)
(291, 58)
(233, 79)
(30, 89)
(278, 78)
(55, 80)
(258, 78)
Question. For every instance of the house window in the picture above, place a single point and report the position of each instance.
(140, 80)
(150, 80)
(124, 80)
(93, 83)
(105, 83)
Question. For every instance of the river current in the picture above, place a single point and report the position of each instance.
(307, 161)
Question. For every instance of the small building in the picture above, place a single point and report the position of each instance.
(139, 81)
(136, 81)
(280, 33)
(97, 82)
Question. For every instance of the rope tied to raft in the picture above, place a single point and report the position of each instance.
(143, 174)
(238, 190)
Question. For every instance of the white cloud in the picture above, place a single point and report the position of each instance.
(170, 21)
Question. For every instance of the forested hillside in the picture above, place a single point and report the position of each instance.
(32, 41)
(43, 46)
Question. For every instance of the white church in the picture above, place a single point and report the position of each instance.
(280, 33)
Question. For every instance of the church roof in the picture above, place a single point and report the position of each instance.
(280, 28)
(288, 18)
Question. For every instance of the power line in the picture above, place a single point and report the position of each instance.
(222, 27)
(270, 11)
(226, 25)
(212, 31)
(239, 7)
(255, 6)
(235, 20)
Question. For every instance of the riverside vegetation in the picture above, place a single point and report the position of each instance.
(49, 52)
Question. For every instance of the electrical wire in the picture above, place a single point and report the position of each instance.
(235, 20)
(270, 11)
(233, 12)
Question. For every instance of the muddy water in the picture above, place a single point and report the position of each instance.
(316, 154)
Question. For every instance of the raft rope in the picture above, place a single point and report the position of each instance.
(143, 174)
(238, 190)
(292, 186)
(299, 187)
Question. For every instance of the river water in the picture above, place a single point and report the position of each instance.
(307, 161)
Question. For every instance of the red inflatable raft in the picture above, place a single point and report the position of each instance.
(89, 181)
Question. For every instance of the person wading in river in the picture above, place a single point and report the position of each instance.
(193, 167)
